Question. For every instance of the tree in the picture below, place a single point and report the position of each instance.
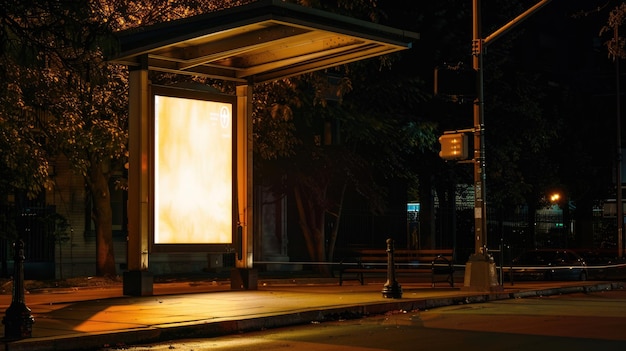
(366, 140)
(74, 100)
(543, 94)
(56, 76)
(24, 163)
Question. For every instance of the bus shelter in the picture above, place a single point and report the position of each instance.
(260, 42)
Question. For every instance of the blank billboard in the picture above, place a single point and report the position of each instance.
(193, 167)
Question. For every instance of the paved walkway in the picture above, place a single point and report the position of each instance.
(72, 319)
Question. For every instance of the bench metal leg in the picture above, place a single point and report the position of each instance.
(449, 279)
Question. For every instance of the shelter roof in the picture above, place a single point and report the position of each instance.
(259, 42)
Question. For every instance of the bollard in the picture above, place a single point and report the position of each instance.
(391, 289)
(18, 322)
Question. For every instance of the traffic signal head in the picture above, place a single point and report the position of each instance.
(453, 146)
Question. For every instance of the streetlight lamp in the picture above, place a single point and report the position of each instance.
(555, 197)
(560, 199)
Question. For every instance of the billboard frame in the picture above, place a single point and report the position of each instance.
(201, 95)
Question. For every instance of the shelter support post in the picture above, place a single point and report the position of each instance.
(138, 281)
(244, 275)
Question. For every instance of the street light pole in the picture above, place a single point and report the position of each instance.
(480, 270)
(480, 217)
(618, 168)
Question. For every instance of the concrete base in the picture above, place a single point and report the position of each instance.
(481, 274)
(18, 322)
(138, 283)
(392, 290)
(244, 279)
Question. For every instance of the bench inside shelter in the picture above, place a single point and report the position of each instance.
(437, 262)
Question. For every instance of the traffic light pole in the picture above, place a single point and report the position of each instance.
(480, 270)
(619, 206)
(479, 135)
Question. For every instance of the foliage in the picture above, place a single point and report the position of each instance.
(616, 45)
(24, 163)
(56, 78)
(318, 140)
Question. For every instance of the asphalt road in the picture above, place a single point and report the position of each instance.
(595, 321)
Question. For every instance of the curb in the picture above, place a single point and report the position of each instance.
(210, 328)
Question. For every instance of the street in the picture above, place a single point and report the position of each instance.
(593, 321)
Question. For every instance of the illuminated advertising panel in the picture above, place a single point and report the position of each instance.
(193, 168)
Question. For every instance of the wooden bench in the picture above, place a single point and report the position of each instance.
(437, 262)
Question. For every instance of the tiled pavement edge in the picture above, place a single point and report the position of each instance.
(121, 320)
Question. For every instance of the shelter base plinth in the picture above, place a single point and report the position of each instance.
(244, 279)
(138, 283)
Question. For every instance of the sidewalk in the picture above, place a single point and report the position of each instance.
(74, 319)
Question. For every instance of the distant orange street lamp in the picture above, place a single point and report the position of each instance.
(555, 197)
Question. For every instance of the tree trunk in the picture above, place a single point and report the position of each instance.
(312, 225)
(427, 213)
(531, 229)
(583, 230)
(103, 218)
(333, 236)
